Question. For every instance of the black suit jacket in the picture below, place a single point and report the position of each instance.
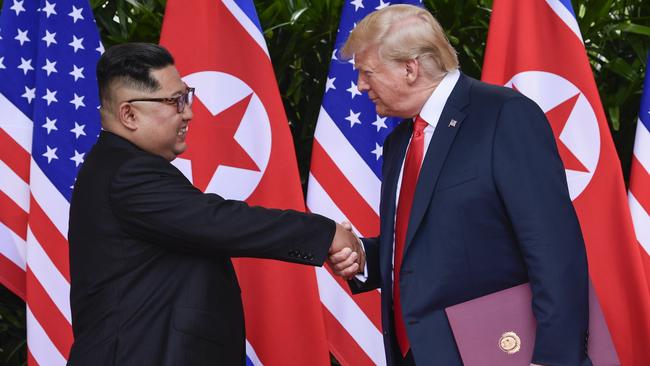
(151, 278)
(491, 211)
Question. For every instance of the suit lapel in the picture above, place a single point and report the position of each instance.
(441, 141)
(389, 193)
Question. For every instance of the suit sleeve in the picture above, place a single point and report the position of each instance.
(531, 181)
(371, 248)
(371, 245)
(155, 202)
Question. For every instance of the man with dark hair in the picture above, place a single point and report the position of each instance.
(152, 282)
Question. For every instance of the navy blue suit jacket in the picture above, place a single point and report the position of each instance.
(491, 211)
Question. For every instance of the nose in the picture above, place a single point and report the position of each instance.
(362, 84)
(187, 113)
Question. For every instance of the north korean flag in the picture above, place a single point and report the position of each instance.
(536, 47)
(240, 147)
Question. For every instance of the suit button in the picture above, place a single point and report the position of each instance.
(385, 332)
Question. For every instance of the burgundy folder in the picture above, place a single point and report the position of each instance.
(499, 329)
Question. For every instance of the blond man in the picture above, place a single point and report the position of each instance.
(474, 198)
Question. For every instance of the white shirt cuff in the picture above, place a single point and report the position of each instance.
(363, 277)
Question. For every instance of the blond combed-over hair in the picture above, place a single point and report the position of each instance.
(401, 33)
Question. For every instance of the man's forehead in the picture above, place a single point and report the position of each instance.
(366, 59)
(168, 78)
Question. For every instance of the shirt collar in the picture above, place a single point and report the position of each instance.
(432, 109)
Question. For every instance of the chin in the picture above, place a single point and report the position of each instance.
(382, 110)
(180, 149)
(383, 113)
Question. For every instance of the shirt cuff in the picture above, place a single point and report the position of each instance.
(363, 277)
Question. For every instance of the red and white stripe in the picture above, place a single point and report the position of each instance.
(343, 188)
(639, 191)
(33, 245)
(15, 147)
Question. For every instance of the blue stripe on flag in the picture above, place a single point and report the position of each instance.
(567, 4)
(248, 8)
(249, 362)
(644, 113)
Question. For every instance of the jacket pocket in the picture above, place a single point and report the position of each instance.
(200, 324)
(452, 179)
(201, 338)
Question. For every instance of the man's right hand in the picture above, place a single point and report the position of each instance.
(346, 256)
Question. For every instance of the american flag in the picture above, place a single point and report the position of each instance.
(49, 119)
(344, 184)
(639, 193)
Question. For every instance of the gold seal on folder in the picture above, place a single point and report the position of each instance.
(510, 343)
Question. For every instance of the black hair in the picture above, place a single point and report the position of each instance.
(132, 64)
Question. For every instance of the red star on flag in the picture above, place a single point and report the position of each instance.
(211, 141)
(558, 117)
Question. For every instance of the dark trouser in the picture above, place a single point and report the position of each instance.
(397, 355)
(405, 361)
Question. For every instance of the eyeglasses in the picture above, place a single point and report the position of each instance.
(181, 101)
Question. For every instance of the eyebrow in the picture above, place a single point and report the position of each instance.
(179, 92)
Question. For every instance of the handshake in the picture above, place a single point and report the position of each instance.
(346, 255)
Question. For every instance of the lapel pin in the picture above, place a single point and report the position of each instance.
(452, 123)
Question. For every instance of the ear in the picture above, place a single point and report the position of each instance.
(412, 68)
(127, 115)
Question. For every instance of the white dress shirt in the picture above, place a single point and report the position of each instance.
(430, 113)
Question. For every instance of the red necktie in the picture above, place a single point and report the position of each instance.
(412, 164)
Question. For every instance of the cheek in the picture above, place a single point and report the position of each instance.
(395, 90)
(150, 131)
(163, 130)
(384, 84)
(168, 126)
(386, 92)
(377, 89)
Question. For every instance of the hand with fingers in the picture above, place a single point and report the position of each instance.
(346, 255)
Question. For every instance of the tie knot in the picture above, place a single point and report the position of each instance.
(418, 126)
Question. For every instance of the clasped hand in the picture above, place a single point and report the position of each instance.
(346, 256)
